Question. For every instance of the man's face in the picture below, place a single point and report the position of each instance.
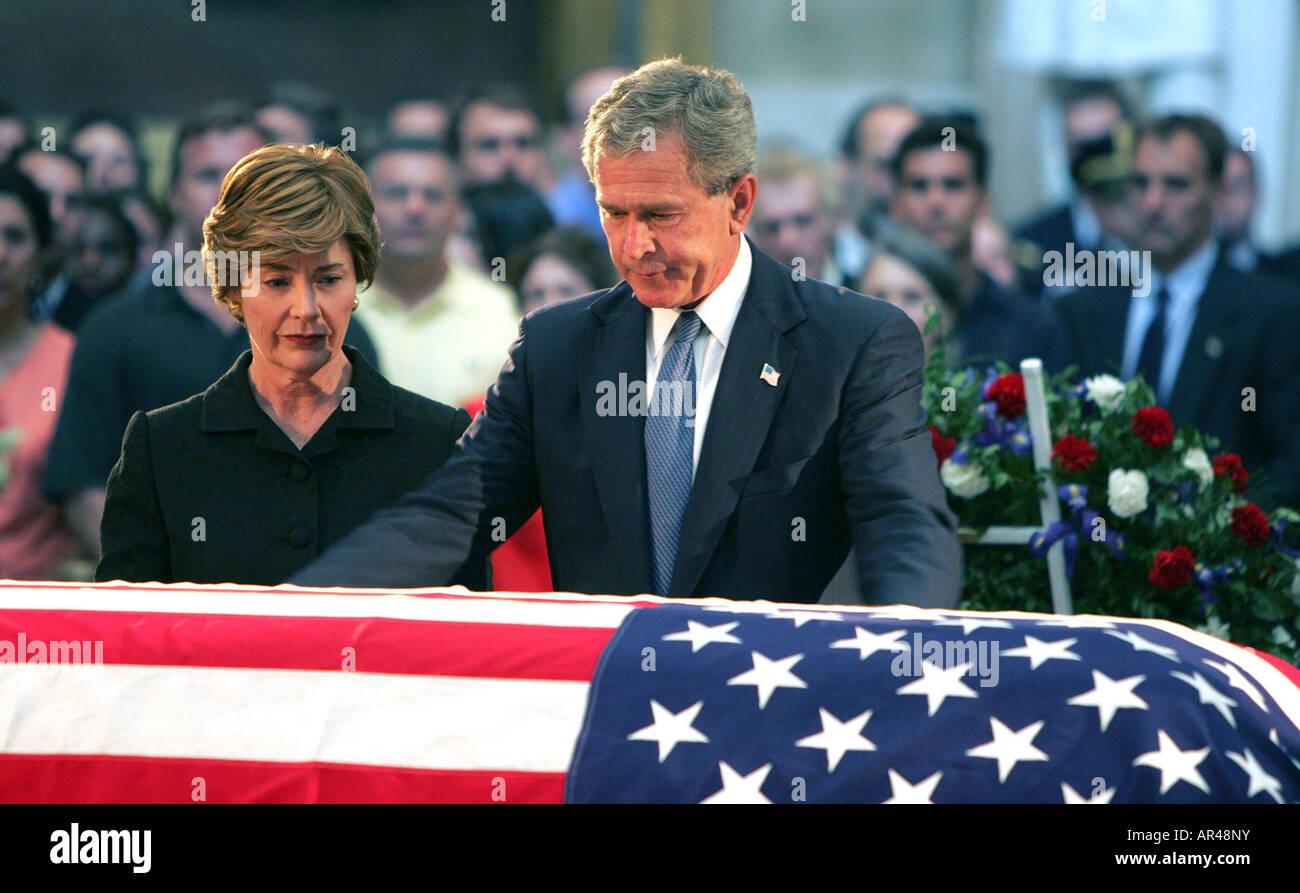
(789, 222)
(879, 134)
(418, 118)
(285, 125)
(1174, 196)
(415, 202)
(62, 182)
(497, 143)
(205, 160)
(673, 242)
(110, 159)
(938, 195)
(1237, 202)
(13, 133)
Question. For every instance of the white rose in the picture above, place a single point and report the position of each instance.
(1126, 492)
(1106, 391)
(1215, 627)
(1196, 460)
(965, 480)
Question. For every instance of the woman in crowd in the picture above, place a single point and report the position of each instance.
(34, 360)
(561, 264)
(101, 259)
(302, 440)
(915, 275)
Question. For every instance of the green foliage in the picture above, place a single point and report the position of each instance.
(1258, 600)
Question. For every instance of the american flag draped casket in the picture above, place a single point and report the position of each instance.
(151, 693)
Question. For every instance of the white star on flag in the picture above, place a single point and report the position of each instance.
(1109, 695)
(837, 738)
(921, 792)
(671, 729)
(769, 675)
(737, 788)
(938, 684)
(1209, 695)
(970, 624)
(868, 643)
(1079, 620)
(1258, 778)
(1008, 747)
(802, 617)
(1039, 652)
(1237, 680)
(1175, 765)
(1141, 644)
(700, 635)
(1074, 797)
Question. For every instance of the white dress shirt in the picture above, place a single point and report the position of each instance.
(717, 314)
(1185, 284)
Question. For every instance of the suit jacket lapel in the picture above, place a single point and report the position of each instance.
(616, 442)
(740, 415)
(1216, 314)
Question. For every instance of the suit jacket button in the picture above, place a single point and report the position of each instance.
(299, 472)
(1214, 346)
(299, 537)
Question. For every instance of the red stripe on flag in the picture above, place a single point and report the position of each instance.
(63, 778)
(380, 645)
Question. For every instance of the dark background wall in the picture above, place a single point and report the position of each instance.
(149, 59)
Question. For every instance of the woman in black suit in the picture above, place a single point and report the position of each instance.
(302, 440)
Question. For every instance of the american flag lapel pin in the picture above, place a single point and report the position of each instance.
(769, 374)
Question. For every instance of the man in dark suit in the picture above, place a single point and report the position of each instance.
(784, 422)
(1218, 346)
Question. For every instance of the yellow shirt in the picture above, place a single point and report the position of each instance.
(451, 345)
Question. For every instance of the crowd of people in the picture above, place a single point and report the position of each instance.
(485, 214)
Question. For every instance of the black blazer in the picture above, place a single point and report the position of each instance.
(210, 490)
(835, 452)
(1246, 335)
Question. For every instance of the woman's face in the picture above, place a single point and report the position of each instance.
(299, 315)
(98, 258)
(18, 253)
(898, 282)
(551, 279)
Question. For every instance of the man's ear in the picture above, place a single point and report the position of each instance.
(742, 194)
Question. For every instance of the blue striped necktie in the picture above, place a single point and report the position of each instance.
(670, 447)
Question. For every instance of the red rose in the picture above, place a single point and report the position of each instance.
(943, 446)
(1250, 524)
(1228, 465)
(1172, 569)
(1008, 391)
(1154, 426)
(1073, 453)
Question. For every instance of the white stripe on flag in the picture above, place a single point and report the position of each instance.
(269, 602)
(427, 722)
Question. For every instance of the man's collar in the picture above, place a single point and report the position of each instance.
(717, 311)
(229, 404)
(1186, 281)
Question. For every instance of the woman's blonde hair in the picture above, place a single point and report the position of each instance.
(285, 200)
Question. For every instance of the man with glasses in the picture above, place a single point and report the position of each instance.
(496, 136)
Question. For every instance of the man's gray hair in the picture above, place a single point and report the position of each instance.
(706, 107)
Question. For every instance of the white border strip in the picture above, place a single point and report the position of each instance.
(423, 722)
